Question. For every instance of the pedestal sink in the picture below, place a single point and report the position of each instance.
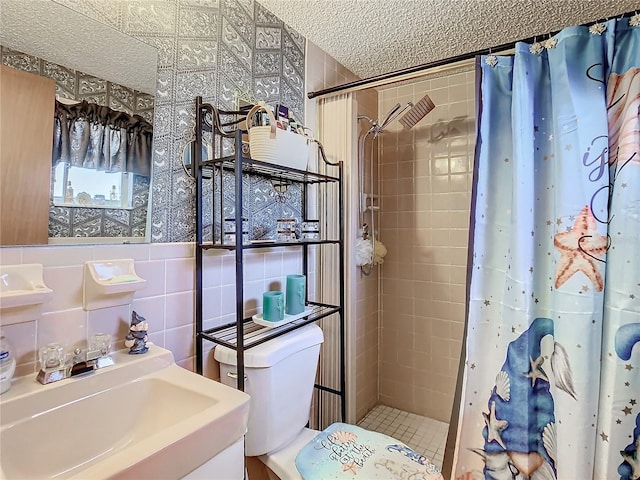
(143, 418)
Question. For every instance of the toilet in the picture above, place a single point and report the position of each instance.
(279, 377)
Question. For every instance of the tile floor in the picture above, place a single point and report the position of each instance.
(424, 435)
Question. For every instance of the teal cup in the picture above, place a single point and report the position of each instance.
(273, 306)
(296, 289)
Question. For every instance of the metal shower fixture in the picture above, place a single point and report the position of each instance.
(414, 114)
(417, 112)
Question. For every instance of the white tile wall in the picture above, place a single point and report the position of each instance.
(167, 301)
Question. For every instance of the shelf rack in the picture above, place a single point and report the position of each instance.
(244, 333)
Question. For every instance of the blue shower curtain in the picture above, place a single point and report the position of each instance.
(551, 386)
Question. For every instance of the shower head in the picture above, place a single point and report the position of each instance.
(394, 113)
(388, 118)
(417, 112)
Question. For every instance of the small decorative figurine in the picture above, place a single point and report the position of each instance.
(136, 339)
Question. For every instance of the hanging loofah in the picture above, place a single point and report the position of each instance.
(378, 253)
(364, 251)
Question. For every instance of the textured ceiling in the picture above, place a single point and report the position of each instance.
(54, 32)
(371, 37)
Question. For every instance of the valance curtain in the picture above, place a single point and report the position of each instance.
(551, 384)
(93, 136)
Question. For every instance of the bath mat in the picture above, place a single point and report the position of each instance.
(347, 451)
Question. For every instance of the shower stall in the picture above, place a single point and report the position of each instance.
(414, 189)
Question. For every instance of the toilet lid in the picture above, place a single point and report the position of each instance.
(343, 451)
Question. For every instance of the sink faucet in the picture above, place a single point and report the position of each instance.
(54, 364)
(81, 363)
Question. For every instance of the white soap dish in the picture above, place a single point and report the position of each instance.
(22, 292)
(108, 283)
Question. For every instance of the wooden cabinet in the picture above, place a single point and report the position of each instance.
(26, 137)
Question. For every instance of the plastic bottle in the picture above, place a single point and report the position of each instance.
(68, 193)
(7, 364)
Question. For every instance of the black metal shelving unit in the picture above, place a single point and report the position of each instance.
(244, 333)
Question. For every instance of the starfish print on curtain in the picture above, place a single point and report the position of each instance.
(581, 249)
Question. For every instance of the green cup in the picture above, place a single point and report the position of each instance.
(273, 306)
(296, 287)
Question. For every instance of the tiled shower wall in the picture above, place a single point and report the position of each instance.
(426, 187)
(367, 312)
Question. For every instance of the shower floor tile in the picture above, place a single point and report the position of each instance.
(425, 435)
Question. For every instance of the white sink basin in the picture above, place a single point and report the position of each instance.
(143, 418)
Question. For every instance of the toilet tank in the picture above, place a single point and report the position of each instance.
(280, 375)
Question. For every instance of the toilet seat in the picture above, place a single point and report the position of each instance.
(283, 461)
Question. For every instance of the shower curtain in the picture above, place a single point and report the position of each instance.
(551, 383)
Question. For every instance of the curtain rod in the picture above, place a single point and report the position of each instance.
(439, 63)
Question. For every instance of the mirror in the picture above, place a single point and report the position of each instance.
(207, 153)
(89, 61)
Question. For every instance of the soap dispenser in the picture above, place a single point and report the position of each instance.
(7, 365)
